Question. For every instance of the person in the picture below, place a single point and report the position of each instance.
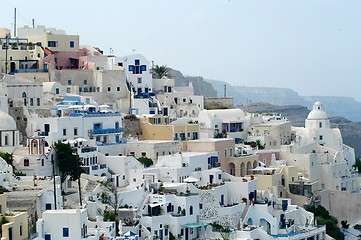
(102, 237)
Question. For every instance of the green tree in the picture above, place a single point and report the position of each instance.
(68, 164)
(145, 161)
(159, 72)
(7, 157)
(111, 199)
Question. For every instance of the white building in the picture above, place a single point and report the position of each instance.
(230, 123)
(72, 224)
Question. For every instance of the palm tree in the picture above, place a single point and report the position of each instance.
(159, 72)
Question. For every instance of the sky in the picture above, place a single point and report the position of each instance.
(310, 46)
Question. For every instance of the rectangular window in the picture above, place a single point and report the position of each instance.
(85, 82)
(137, 62)
(109, 89)
(21, 229)
(118, 89)
(64, 131)
(71, 44)
(65, 232)
(139, 80)
(69, 82)
(80, 89)
(321, 137)
(75, 131)
(31, 102)
(38, 101)
(47, 236)
(52, 43)
(47, 206)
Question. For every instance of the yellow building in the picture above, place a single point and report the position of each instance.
(16, 226)
(160, 127)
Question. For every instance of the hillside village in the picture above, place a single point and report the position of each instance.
(97, 146)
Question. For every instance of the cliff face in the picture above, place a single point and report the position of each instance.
(333, 105)
(200, 86)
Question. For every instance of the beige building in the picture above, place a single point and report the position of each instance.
(241, 166)
(160, 127)
(224, 146)
(17, 222)
(271, 134)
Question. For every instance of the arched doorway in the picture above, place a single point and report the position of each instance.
(232, 169)
(249, 167)
(243, 170)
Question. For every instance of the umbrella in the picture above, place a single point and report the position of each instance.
(80, 140)
(129, 234)
(69, 141)
(104, 106)
(190, 179)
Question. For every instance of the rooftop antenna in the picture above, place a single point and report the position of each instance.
(14, 22)
(33, 21)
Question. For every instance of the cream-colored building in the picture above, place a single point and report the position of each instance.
(17, 222)
(159, 127)
(272, 134)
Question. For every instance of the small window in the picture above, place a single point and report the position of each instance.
(80, 89)
(219, 176)
(109, 89)
(139, 80)
(137, 62)
(21, 230)
(75, 131)
(71, 44)
(320, 124)
(56, 90)
(47, 236)
(38, 101)
(64, 131)
(85, 82)
(68, 90)
(65, 232)
(118, 89)
(26, 163)
(31, 102)
(321, 137)
(69, 82)
(200, 206)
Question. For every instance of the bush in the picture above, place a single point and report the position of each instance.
(108, 215)
(145, 161)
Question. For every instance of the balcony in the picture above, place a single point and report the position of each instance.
(107, 130)
(30, 70)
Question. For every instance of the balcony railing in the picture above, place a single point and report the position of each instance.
(107, 130)
(30, 70)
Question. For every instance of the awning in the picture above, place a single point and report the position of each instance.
(194, 225)
(152, 205)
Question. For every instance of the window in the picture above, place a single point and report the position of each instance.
(65, 232)
(137, 62)
(321, 137)
(200, 206)
(109, 89)
(191, 210)
(31, 102)
(52, 43)
(85, 89)
(118, 89)
(320, 124)
(85, 82)
(139, 80)
(219, 176)
(42, 162)
(56, 90)
(64, 131)
(69, 82)
(225, 152)
(68, 90)
(38, 102)
(47, 236)
(26, 162)
(71, 44)
(80, 89)
(75, 131)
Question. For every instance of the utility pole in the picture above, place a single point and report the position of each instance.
(15, 22)
(6, 52)
(54, 183)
